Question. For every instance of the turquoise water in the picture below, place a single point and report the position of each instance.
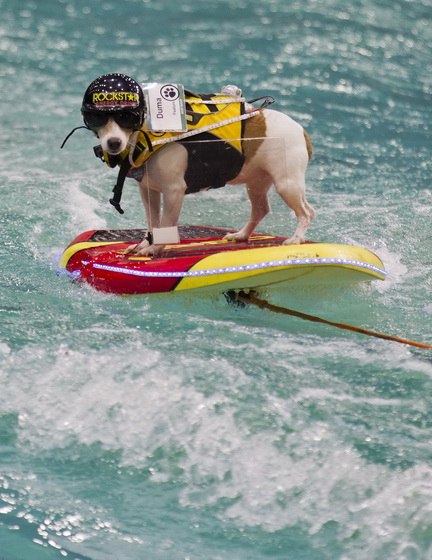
(177, 427)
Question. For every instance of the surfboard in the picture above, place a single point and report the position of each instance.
(205, 261)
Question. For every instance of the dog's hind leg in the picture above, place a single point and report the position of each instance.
(260, 207)
(292, 193)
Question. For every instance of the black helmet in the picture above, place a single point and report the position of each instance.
(114, 93)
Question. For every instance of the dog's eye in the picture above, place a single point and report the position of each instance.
(95, 120)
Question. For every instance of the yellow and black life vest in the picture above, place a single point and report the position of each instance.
(215, 125)
(221, 118)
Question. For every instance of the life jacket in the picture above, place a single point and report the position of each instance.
(215, 126)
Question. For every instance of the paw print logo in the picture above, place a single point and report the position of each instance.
(169, 92)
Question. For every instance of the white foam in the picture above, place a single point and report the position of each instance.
(255, 454)
(82, 207)
(4, 348)
(396, 270)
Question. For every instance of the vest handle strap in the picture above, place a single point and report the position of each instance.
(267, 100)
(118, 187)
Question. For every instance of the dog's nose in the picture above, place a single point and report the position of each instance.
(114, 144)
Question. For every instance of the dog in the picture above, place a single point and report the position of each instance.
(276, 152)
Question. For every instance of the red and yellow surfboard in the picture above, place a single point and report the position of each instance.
(204, 261)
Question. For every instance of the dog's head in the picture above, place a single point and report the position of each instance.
(113, 107)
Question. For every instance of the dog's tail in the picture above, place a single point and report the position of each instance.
(308, 144)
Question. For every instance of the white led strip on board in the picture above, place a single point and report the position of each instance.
(241, 268)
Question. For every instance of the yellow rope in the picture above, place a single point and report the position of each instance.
(263, 304)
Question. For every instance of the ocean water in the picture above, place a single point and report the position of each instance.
(179, 427)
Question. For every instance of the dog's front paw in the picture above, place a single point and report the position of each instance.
(131, 250)
(237, 237)
(144, 249)
(151, 251)
(292, 241)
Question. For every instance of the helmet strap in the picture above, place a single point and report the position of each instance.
(71, 132)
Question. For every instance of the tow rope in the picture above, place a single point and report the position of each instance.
(263, 304)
